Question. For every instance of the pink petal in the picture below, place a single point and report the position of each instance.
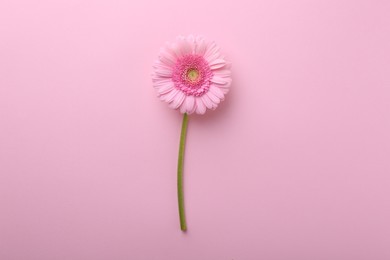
(200, 106)
(164, 73)
(158, 64)
(224, 89)
(213, 97)
(222, 73)
(213, 57)
(162, 70)
(156, 77)
(217, 63)
(212, 52)
(191, 41)
(161, 81)
(185, 47)
(219, 80)
(227, 85)
(200, 46)
(165, 88)
(183, 108)
(207, 101)
(216, 92)
(168, 49)
(176, 48)
(178, 100)
(211, 48)
(228, 65)
(189, 104)
(167, 58)
(170, 96)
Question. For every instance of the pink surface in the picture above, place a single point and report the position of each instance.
(293, 165)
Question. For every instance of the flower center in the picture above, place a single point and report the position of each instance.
(192, 74)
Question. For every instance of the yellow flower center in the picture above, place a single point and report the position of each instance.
(192, 75)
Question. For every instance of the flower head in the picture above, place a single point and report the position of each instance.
(191, 75)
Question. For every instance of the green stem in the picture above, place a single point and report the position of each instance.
(183, 224)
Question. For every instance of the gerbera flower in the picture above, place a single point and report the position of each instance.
(191, 75)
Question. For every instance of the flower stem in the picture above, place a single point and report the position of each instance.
(183, 224)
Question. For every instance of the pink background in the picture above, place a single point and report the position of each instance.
(293, 165)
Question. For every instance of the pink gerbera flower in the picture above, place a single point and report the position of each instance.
(191, 75)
